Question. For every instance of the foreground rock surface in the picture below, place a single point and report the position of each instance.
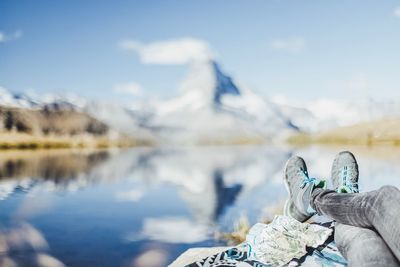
(195, 254)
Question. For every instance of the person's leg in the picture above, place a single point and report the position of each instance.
(363, 247)
(377, 209)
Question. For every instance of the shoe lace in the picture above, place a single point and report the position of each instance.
(346, 174)
(306, 179)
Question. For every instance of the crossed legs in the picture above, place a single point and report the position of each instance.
(367, 224)
(367, 228)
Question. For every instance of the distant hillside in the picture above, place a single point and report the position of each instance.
(46, 121)
(55, 128)
(377, 132)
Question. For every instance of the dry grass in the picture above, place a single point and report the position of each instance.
(242, 226)
(380, 132)
(240, 229)
(238, 235)
(14, 140)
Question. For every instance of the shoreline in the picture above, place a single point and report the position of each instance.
(20, 141)
(385, 132)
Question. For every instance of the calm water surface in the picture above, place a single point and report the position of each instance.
(145, 206)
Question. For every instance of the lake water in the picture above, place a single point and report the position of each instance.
(145, 206)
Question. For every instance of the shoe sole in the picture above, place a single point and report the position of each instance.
(335, 163)
(286, 183)
(285, 180)
(288, 202)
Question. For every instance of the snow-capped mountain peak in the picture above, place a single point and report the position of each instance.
(212, 106)
(35, 101)
(205, 85)
(224, 84)
(10, 99)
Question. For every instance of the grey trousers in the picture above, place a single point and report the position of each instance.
(367, 224)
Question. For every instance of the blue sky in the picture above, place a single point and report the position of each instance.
(298, 48)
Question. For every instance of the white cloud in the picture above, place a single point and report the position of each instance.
(170, 230)
(396, 11)
(169, 52)
(130, 196)
(131, 88)
(10, 37)
(292, 45)
(153, 257)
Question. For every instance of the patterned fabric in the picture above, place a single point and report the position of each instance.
(283, 242)
(236, 256)
(284, 239)
(327, 256)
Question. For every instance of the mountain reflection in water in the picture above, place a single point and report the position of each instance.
(139, 206)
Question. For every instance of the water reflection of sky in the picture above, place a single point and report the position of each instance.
(140, 206)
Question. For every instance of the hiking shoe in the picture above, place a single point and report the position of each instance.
(299, 186)
(290, 210)
(345, 173)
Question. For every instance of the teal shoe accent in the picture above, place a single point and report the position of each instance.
(345, 173)
(300, 187)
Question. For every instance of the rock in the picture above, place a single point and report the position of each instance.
(195, 254)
